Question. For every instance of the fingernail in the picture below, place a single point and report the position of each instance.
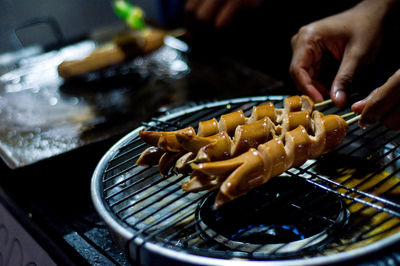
(340, 98)
(340, 95)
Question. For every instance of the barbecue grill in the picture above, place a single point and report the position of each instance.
(340, 207)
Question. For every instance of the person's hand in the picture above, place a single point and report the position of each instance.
(381, 104)
(220, 12)
(351, 37)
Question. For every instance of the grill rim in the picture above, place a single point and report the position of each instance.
(125, 237)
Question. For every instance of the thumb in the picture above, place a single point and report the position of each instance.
(344, 79)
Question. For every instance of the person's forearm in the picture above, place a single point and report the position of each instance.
(382, 8)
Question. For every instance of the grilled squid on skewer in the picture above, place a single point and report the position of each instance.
(221, 146)
(275, 140)
(228, 123)
(257, 166)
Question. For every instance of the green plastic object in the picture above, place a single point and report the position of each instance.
(132, 15)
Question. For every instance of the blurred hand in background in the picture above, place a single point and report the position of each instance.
(219, 12)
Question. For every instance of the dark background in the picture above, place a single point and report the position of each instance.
(76, 18)
(260, 36)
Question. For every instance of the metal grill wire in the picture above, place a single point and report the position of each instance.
(159, 211)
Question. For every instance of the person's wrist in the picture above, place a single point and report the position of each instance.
(381, 6)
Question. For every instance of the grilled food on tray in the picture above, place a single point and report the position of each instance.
(124, 47)
(264, 145)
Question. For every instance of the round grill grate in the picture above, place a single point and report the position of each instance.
(341, 206)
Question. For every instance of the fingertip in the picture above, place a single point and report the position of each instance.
(366, 121)
(311, 91)
(355, 109)
(362, 125)
(358, 107)
(206, 10)
(203, 15)
(190, 6)
(318, 99)
(304, 83)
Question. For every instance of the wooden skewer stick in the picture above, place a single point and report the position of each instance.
(323, 103)
(347, 115)
(352, 120)
(329, 101)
